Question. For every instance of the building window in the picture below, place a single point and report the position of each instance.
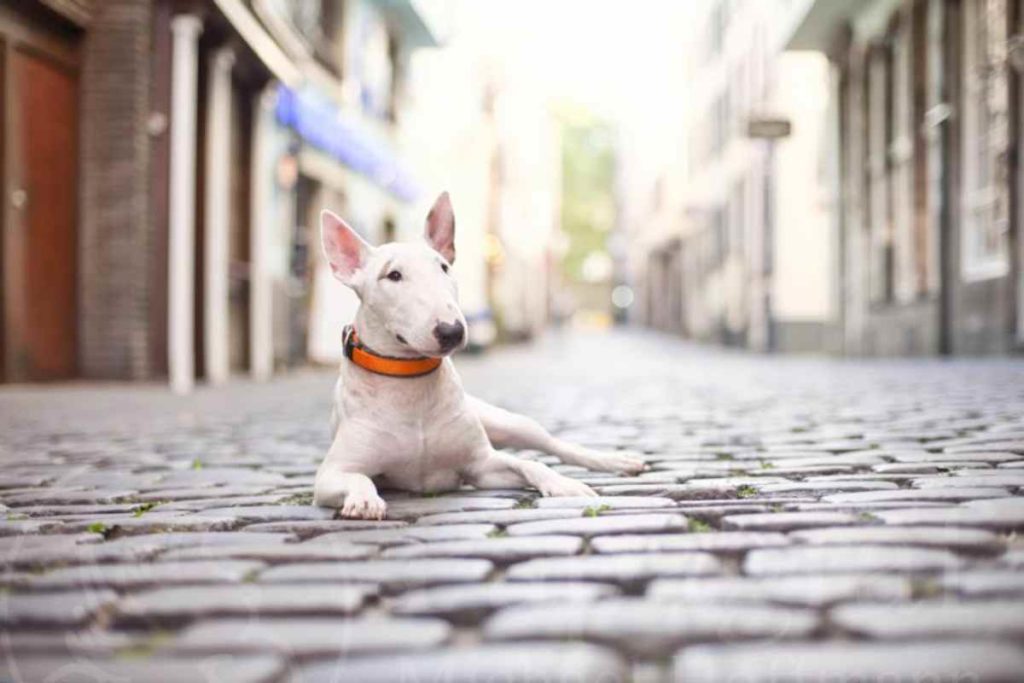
(985, 214)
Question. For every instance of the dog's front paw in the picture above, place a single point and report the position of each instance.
(562, 486)
(364, 506)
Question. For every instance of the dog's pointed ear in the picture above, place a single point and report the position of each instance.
(344, 248)
(440, 230)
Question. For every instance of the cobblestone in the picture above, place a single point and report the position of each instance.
(645, 628)
(515, 662)
(905, 661)
(860, 520)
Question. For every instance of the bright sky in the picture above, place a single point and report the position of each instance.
(608, 55)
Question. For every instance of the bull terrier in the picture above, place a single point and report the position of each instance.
(400, 414)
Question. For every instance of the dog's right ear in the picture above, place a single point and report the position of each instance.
(345, 249)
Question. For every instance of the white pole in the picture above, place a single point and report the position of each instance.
(218, 215)
(180, 309)
(261, 330)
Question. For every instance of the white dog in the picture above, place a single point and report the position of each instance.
(400, 413)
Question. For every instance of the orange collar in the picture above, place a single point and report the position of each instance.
(385, 365)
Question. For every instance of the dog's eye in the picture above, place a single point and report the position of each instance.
(394, 276)
(444, 267)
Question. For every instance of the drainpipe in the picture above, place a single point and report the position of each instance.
(185, 29)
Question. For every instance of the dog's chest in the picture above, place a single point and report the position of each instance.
(419, 434)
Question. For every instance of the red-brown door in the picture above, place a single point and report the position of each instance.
(41, 248)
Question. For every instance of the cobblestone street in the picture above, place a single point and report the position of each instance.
(801, 519)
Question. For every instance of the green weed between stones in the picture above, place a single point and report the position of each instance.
(143, 509)
(298, 499)
(696, 526)
(102, 529)
(746, 491)
(595, 511)
(497, 533)
(147, 647)
(525, 504)
(197, 464)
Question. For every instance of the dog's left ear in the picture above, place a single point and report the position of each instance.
(440, 231)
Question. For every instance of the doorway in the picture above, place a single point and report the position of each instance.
(39, 146)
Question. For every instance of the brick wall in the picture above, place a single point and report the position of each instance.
(116, 227)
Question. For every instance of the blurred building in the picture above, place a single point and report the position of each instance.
(471, 110)
(928, 138)
(734, 244)
(165, 162)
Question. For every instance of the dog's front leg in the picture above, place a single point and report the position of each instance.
(496, 470)
(354, 493)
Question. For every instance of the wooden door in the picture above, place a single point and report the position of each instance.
(40, 245)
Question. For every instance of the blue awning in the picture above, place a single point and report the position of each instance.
(319, 122)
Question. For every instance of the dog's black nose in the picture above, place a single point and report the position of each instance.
(449, 335)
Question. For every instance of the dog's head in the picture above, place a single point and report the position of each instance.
(409, 296)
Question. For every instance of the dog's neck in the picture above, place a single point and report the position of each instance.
(375, 336)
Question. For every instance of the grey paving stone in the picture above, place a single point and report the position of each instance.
(846, 559)
(714, 513)
(606, 502)
(136, 575)
(554, 663)
(271, 513)
(87, 548)
(58, 512)
(934, 618)
(59, 496)
(227, 476)
(411, 508)
(826, 486)
(273, 554)
(714, 542)
(602, 525)
(799, 591)
(254, 669)
(63, 609)
(944, 495)
(958, 456)
(788, 521)
(392, 575)
(996, 518)
(88, 641)
(985, 662)
(905, 468)
(406, 534)
(984, 582)
(646, 628)
(193, 493)
(19, 527)
(500, 550)
(309, 637)
(630, 569)
(500, 517)
(470, 603)
(170, 606)
(1013, 558)
(151, 522)
(952, 538)
(307, 528)
(1003, 479)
